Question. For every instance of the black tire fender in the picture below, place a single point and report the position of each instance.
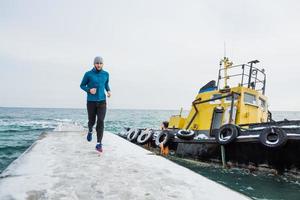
(124, 132)
(133, 134)
(145, 136)
(164, 138)
(227, 134)
(186, 134)
(273, 137)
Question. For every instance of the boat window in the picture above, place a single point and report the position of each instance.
(216, 96)
(262, 103)
(250, 98)
(228, 99)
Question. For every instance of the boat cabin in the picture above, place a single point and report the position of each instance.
(220, 103)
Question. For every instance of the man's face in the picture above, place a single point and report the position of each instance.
(98, 66)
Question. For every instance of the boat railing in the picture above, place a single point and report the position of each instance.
(250, 76)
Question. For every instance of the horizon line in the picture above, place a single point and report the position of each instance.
(85, 108)
(119, 108)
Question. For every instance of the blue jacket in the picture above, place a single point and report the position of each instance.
(95, 79)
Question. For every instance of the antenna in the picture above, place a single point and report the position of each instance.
(224, 49)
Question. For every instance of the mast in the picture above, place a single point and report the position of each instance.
(226, 64)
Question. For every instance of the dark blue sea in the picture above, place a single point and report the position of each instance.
(20, 127)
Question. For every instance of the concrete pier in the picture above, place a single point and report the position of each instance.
(63, 165)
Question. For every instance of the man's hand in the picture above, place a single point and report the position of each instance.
(108, 94)
(93, 91)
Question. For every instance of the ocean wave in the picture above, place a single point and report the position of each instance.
(25, 130)
(53, 119)
(34, 125)
(26, 123)
(6, 117)
(8, 149)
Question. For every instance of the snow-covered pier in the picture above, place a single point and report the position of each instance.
(63, 165)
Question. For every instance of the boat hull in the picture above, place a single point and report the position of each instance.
(247, 150)
(246, 154)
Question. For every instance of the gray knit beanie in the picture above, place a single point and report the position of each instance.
(98, 59)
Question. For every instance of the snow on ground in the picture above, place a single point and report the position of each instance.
(63, 165)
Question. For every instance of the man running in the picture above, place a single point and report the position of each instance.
(95, 83)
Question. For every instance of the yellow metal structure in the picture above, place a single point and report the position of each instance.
(249, 106)
(226, 63)
(177, 122)
(245, 112)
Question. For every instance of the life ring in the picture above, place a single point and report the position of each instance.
(145, 136)
(133, 134)
(186, 134)
(227, 134)
(163, 138)
(273, 137)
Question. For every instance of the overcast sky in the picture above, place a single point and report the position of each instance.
(158, 52)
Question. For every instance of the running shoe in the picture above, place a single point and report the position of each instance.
(99, 147)
(89, 136)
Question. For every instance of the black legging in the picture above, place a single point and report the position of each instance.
(96, 108)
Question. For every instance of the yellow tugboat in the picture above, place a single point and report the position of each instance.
(228, 123)
(216, 105)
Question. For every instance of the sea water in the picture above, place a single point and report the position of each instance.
(20, 127)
